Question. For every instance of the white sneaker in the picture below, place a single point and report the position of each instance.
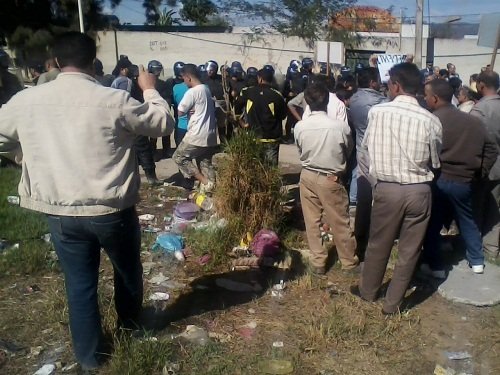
(437, 274)
(478, 269)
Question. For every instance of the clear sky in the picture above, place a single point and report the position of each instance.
(131, 10)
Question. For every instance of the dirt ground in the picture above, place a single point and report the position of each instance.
(314, 325)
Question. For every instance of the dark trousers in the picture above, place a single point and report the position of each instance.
(363, 213)
(458, 195)
(289, 125)
(78, 242)
(272, 152)
(179, 135)
(397, 209)
(487, 207)
(144, 151)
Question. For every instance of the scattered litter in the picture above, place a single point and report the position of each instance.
(46, 370)
(146, 267)
(277, 294)
(158, 279)
(35, 351)
(237, 286)
(278, 344)
(13, 199)
(276, 367)
(179, 255)
(280, 286)
(195, 335)
(457, 356)
(6, 245)
(204, 202)
(151, 229)
(171, 369)
(251, 311)
(10, 347)
(204, 259)
(69, 368)
(46, 237)
(186, 210)
(240, 251)
(221, 337)
(168, 242)
(32, 289)
(175, 199)
(265, 243)
(247, 331)
(439, 370)
(146, 217)
(159, 296)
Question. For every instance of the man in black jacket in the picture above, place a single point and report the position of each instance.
(468, 153)
(265, 111)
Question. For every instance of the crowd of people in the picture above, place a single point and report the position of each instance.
(403, 159)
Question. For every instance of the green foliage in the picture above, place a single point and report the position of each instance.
(146, 356)
(306, 19)
(167, 18)
(217, 242)
(198, 11)
(18, 225)
(248, 187)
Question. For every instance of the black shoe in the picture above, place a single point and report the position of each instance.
(152, 179)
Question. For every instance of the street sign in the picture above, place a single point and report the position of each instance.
(488, 30)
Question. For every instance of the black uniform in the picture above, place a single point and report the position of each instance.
(265, 111)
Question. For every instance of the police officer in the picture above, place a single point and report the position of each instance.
(251, 76)
(297, 78)
(214, 82)
(156, 68)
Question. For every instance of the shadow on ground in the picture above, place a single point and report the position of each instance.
(212, 292)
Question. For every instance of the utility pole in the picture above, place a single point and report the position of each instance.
(80, 16)
(419, 28)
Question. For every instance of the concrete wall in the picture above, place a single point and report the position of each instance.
(197, 48)
(250, 50)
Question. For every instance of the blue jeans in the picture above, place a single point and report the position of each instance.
(353, 186)
(78, 242)
(458, 196)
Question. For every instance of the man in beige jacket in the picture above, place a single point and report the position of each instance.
(79, 168)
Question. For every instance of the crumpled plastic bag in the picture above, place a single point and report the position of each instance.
(168, 242)
(265, 243)
(186, 210)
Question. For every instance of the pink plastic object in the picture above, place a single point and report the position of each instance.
(266, 243)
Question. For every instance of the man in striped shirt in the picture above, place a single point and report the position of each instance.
(403, 142)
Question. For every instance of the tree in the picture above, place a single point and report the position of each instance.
(198, 11)
(29, 26)
(306, 19)
(167, 18)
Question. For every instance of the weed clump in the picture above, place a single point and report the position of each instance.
(249, 189)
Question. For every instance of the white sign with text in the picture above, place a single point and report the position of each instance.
(386, 62)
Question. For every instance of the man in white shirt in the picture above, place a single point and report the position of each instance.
(324, 146)
(201, 138)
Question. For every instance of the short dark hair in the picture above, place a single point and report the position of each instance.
(467, 91)
(408, 76)
(366, 75)
(442, 89)
(317, 95)
(329, 81)
(490, 79)
(266, 75)
(74, 49)
(344, 94)
(192, 70)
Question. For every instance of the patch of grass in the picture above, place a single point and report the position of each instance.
(294, 239)
(212, 359)
(248, 188)
(132, 356)
(18, 225)
(217, 242)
